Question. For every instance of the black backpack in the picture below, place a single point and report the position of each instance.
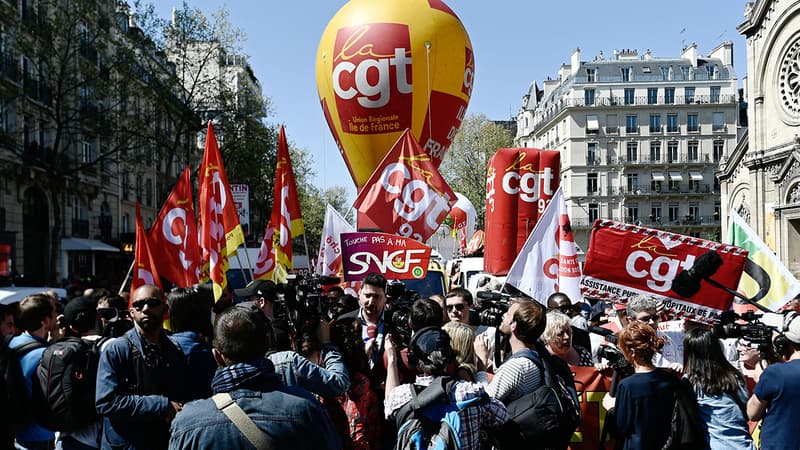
(548, 416)
(686, 430)
(64, 396)
(430, 420)
(12, 387)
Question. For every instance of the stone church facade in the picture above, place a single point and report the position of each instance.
(760, 179)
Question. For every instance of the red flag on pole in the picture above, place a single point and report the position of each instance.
(144, 269)
(220, 231)
(174, 236)
(286, 215)
(265, 262)
(406, 194)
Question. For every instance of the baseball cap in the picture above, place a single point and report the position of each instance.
(793, 328)
(261, 288)
(80, 311)
(428, 340)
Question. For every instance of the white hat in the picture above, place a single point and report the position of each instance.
(793, 328)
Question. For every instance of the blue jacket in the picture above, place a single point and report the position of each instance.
(200, 363)
(289, 416)
(134, 414)
(29, 362)
(330, 380)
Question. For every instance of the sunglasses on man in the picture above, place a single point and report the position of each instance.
(456, 306)
(151, 302)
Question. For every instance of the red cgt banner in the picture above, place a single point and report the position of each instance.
(519, 184)
(625, 260)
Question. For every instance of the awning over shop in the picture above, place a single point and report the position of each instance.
(675, 176)
(695, 175)
(86, 245)
(658, 176)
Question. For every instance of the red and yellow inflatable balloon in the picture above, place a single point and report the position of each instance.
(384, 66)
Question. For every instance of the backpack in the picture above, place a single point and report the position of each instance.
(548, 416)
(430, 420)
(686, 431)
(64, 396)
(13, 390)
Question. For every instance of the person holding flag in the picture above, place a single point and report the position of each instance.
(220, 231)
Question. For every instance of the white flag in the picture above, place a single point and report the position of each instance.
(330, 249)
(548, 262)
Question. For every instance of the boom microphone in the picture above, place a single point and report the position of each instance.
(687, 283)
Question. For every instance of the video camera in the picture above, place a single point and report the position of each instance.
(492, 307)
(301, 302)
(753, 330)
(400, 299)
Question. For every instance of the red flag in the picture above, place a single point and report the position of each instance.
(286, 215)
(220, 231)
(265, 262)
(406, 195)
(144, 269)
(173, 237)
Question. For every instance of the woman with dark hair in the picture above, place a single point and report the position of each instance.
(360, 403)
(644, 401)
(719, 388)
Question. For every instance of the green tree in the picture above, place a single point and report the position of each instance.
(464, 165)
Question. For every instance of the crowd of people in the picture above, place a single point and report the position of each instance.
(253, 375)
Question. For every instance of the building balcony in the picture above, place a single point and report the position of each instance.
(660, 223)
(695, 76)
(682, 189)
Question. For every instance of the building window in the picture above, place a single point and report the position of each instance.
(631, 123)
(694, 184)
(632, 151)
(612, 125)
(591, 75)
(591, 154)
(694, 211)
(719, 148)
(717, 210)
(688, 94)
(655, 123)
(125, 186)
(714, 97)
(138, 189)
(672, 123)
(692, 151)
(592, 125)
(685, 72)
(88, 154)
(594, 212)
(655, 151)
(588, 97)
(629, 96)
(669, 95)
(665, 73)
(655, 184)
(632, 213)
(148, 192)
(126, 220)
(675, 179)
(712, 71)
(591, 183)
(672, 151)
(718, 121)
(673, 212)
(652, 96)
(632, 181)
(655, 212)
(626, 74)
(691, 123)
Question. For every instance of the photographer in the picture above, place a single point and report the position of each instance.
(776, 397)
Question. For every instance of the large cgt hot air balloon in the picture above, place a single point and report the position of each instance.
(384, 66)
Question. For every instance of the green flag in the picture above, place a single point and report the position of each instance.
(778, 284)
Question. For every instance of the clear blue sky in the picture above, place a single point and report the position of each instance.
(515, 42)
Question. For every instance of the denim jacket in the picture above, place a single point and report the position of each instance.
(289, 416)
(132, 417)
(331, 380)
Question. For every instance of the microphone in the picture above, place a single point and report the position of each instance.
(687, 283)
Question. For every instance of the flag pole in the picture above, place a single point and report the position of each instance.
(127, 277)
(308, 255)
(241, 266)
(249, 264)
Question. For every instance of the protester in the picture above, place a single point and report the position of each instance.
(644, 309)
(81, 321)
(190, 318)
(263, 293)
(374, 320)
(438, 298)
(557, 337)
(720, 391)
(776, 397)
(425, 312)
(462, 338)
(7, 327)
(644, 401)
(458, 303)
(523, 323)
(286, 417)
(37, 320)
(432, 348)
(141, 379)
(360, 404)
